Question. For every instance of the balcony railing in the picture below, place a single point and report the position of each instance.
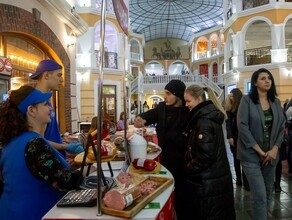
(230, 63)
(201, 54)
(289, 53)
(109, 5)
(110, 59)
(135, 56)
(247, 4)
(257, 56)
(159, 82)
(214, 51)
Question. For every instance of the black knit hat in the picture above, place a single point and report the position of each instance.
(177, 88)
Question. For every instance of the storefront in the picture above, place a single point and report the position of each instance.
(29, 35)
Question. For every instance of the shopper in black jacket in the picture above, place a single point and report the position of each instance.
(170, 118)
(206, 191)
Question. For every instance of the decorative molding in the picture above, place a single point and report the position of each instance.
(67, 14)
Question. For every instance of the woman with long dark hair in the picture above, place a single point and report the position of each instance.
(261, 124)
(232, 134)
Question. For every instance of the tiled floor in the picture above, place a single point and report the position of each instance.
(281, 205)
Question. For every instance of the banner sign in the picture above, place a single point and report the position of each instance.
(5, 66)
(121, 12)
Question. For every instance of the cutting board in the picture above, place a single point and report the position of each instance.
(141, 171)
(78, 159)
(132, 210)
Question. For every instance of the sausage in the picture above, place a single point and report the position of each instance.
(145, 164)
(118, 200)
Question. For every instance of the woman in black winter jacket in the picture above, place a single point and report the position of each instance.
(206, 190)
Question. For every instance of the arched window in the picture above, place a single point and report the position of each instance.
(25, 56)
(135, 49)
(258, 45)
(110, 44)
(202, 48)
(214, 44)
(155, 68)
(178, 68)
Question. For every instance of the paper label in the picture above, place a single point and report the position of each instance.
(140, 162)
(129, 199)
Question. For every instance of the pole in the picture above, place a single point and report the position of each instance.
(99, 110)
(124, 85)
(128, 158)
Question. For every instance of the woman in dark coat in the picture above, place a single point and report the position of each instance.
(232, 134)
(206, 190)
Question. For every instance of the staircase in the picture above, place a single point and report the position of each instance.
(146, 84)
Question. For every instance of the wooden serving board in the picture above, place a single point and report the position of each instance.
(134, 208)
(79, 157)
(141, 171)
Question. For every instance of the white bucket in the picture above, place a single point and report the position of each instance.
(137, 147)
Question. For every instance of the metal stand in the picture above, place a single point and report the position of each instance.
(83, 164)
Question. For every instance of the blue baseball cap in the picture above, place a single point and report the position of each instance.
(35, 97)
(45, 65)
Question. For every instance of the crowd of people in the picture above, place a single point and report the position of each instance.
(189, 126)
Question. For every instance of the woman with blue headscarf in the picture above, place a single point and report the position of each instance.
(35, 175)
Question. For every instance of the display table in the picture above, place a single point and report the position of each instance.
(165, 201)
(164, 210)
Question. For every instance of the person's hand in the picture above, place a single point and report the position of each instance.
(139, 122)
(231, 142)
(270, 155)
(74, 147)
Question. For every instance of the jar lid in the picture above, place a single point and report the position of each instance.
(137, 139)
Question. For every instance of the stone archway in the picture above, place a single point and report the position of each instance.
(18, 20)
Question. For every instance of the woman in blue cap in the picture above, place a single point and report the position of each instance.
(35, 175)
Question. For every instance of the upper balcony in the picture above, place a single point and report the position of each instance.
(154, 84)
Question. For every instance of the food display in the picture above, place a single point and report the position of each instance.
(132, 193)
(108, 149)
(108, 153)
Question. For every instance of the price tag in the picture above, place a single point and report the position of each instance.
(152, 205)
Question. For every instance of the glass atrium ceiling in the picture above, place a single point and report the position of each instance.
(179, 19)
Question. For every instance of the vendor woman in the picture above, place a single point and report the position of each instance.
(35, 175)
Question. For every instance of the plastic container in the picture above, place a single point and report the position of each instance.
(137, 147)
